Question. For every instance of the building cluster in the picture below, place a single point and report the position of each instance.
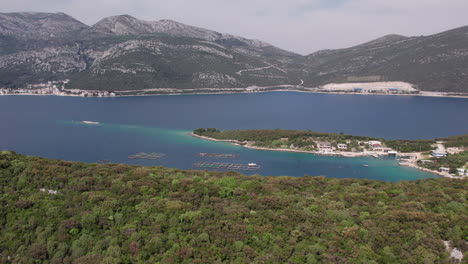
(327, 147)
(54, 88)
(374, 146)
(442, 152)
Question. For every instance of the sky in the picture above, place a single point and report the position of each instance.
(301, 26)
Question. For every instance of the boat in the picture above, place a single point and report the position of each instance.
(90, 122)
(252, 164)
(365, 165)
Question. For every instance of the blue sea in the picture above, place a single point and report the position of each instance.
(49, 126)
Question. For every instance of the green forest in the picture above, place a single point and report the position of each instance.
(69, 212)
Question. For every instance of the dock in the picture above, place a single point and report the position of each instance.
(147, 156)
(218, 155)
(226, 166)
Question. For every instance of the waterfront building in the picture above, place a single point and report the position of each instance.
(342, 146)
(324, 146)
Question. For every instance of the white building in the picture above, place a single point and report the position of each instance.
(438, 154)
(324, 146)
(461, 171)
(342, 146)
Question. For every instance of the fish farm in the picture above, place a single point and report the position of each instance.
(218, 155)
(148, 156)
(226, 166)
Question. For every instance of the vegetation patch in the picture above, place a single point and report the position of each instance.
(114, 213)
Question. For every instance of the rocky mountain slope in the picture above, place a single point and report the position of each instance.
(436, 63)
(124, 53)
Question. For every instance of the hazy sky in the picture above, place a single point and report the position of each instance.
(302, 26)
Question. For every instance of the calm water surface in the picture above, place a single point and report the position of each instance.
(49, 126)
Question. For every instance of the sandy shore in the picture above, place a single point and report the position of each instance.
(442, 174)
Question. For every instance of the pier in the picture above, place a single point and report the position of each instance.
(148, 156)
(218, 155)
(226, 166)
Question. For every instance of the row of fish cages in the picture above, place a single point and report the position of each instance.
(218, 155)
(147, 156)
(227, 166)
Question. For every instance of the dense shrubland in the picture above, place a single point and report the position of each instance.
(114, 213)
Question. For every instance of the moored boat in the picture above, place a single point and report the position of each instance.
(90, 122)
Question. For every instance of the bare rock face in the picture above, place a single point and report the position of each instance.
(125, 53)
(27, 25)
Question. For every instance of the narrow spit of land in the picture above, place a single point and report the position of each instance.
(446, 157)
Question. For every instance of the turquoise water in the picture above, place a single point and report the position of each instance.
(182, 149)
(49, 127)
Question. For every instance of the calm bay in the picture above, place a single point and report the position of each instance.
(50, 127)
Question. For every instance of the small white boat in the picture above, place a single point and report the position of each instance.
(252, 164)
(90, 122)
(365, 165)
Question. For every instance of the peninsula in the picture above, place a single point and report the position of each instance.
(447, 157)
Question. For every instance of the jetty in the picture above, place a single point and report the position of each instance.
(226, 166)
(218, 155)
(147, 156)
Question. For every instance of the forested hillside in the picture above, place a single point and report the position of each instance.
(68, 212)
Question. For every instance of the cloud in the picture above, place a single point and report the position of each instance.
(303, 26)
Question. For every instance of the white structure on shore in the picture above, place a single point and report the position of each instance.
(371, 87)
(440, 152)
(342, 146)
(324, 146)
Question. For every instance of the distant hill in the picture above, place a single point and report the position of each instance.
(436, 63)
(125, 53)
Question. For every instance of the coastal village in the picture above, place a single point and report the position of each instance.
(377, 149)
(423, 160)
(54, 88)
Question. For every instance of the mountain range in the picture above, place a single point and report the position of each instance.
(124, 53)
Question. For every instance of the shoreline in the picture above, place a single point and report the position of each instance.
(229, 91)
(441, 174)
(318, 153)
(341, 154)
